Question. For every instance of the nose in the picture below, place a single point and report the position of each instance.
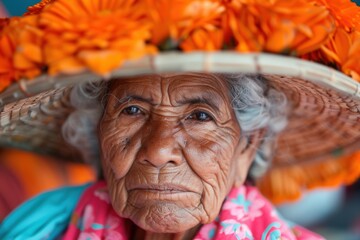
(159, 145)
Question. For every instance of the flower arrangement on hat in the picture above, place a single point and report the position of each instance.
(57, 37)
(57, 40)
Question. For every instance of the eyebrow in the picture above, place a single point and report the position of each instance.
(194, 100)
(201, 100)
(133, 97)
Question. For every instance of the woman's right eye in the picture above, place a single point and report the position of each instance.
(132, 110)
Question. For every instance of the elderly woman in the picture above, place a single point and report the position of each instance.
(175, 136)
(172, 146)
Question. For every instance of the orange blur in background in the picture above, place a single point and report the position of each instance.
(24, 174)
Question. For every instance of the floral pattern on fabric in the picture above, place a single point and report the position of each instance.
(95, 219)
(245, 215)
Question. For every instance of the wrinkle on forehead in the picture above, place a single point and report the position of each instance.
(213, 88)
(176, 89)
(137, 86)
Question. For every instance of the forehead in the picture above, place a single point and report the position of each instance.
(175, 87)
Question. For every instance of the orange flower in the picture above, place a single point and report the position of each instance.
(201, 39)
(343, 51)
(37, 8)
(163, 13)
(7, 71)
(192, 25)
(20, 50)
(281, 26)
(93, 34)
(4, 22)
(346, 13)
(200, 28)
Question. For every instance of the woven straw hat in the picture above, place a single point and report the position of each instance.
(306, 49)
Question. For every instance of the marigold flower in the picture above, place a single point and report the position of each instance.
(81, 32)
(193, 25)
(201, 25)
(4, 22)
(163, 13)
(346, 13)
(7, 71)
(341, 51)
(294, 27)
(37, 8)
(201, 39)
(20, 50)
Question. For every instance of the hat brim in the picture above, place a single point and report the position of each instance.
(323, 120)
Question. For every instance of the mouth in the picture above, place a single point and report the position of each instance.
(149, 194)
(161, 188)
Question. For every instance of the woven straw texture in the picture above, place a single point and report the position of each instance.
(323, 120)
(34, 124)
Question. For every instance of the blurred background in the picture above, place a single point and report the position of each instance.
(332, 212)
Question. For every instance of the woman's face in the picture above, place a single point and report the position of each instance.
(171, 149)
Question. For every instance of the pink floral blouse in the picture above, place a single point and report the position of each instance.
(245, 214)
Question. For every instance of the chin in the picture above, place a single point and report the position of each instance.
(165, 218)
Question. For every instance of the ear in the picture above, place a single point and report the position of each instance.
(245, 154)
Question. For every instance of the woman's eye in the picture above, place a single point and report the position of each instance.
(200, 116)
(132, 110)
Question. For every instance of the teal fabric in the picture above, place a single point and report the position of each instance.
(45, 216)
(16, 7)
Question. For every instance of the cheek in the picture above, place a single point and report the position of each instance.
(118, 147)
(211, 158)
(118, 152)
(212, 162)
(214, 150)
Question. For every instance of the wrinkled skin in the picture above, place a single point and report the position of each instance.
(171, 150)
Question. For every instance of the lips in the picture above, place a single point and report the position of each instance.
(165, 188)
(162, 196)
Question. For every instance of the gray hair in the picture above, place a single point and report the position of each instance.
(256, 105)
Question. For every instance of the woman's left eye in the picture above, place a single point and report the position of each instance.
(200, 116)
(132, 110)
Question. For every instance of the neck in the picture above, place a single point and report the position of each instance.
(189, 234)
